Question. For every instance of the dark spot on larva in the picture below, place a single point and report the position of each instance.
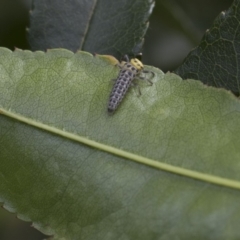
(129, 74)
(132, 68)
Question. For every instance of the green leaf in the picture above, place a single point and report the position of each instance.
(215, 61)
(164, 166)
(100, 26)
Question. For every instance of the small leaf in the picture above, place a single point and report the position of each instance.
(216, 60)
(164, 166)
(100, 26)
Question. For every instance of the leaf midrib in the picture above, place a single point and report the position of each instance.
(121, 153)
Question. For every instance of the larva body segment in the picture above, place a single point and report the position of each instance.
(127, 74)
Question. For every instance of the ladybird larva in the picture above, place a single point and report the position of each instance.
(129, 70)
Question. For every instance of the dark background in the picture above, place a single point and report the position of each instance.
(176, 26)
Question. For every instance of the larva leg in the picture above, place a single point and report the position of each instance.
(153, 73)
(151, 83)
(126, 58)
(139, 89)
(145, 79)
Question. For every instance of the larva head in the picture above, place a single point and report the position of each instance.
(136, 63)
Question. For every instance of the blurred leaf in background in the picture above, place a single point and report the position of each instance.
(14, 19)
(215, 61)
(177, 26)
(104, 27)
